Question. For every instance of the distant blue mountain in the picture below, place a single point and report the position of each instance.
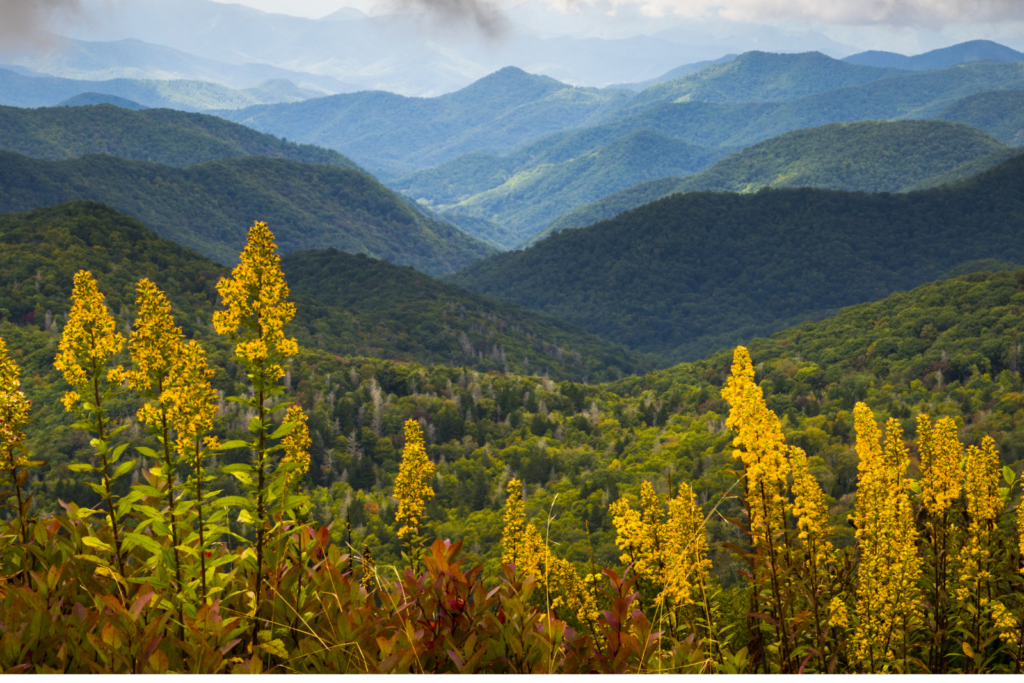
(971, 51)
(89, 98)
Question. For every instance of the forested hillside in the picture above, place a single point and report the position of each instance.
(1000, 113)
(163, 136)
(19, 90)
(961, 53)
(762, 77)
(530, 199)
(209, 207)
(693, 272)
(394, 135)
(870, 156)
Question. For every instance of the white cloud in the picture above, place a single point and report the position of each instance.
(920, 13)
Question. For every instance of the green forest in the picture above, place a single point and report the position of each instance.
(163, 136)
(690, 273)
(205, 206)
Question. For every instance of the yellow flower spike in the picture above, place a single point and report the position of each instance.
(887, 595)
(256, 311)
(190, 399)
(686, 560)
(296, 443)
(514, 524)
(155, 342)
(412, 485)
(89, 339)
(14, 411)
(984, 505)
(761, 447)
(941, 455)
(811, 511)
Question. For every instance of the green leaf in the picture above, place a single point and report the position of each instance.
(284, 430)
(116, 455)
(915, 486)
(245, 518)
(146, 542)
(92, 558)
(82, 467)
(235, 443)
(238, 467)
(94, 542)
(148, 452)
(255, 425)
(233, 501)
(1009, 476)
(243, 401)
(243, 477)
(123, 468)
(968, 650)
(276, 648)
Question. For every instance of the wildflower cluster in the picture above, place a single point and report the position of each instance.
(296, 443)
(412, 485)
(88, 343)
(254, 298)
(887, 596)
(14, 412)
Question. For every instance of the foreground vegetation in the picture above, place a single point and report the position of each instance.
(170, 568)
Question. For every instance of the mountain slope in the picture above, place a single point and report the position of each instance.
(868, 156)
(393, 135)
(530, 199)
(397, 312)
(87, 99)
(761, 77)
(696, 271)
(999, 113)
(20, 90)
(209, 207)
(963, 53)
(163, 136)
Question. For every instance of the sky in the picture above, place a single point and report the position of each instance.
(907, 26)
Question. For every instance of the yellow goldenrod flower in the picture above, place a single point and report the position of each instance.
(887, 592)
(412, 485)
(256, 311)
(89, 340)
(761, 447)
(686, 561)
(811, 511)
(941, 456)
(296, 443)
(14, 411)
(524, 547)
(984, 505)
(155, 341)
(191, 401)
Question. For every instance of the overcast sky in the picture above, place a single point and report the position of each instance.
(871, 24)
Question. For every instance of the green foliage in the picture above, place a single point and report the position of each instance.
(869, 156)
(208, 207)
(163, 136)
(762, 77)
(394, 135)
(699, 271)
(530, 198)
(997, 112)
(395, 312)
